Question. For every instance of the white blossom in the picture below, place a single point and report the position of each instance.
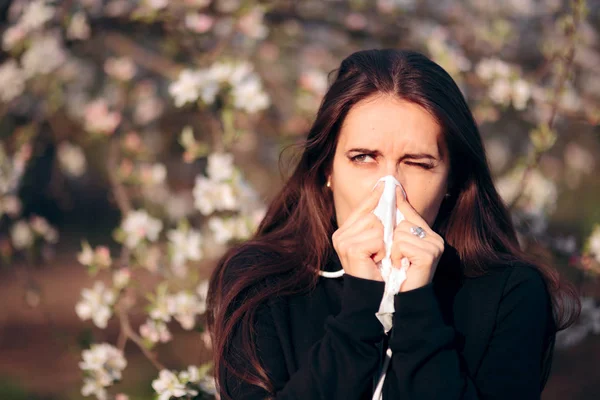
(179, 205)
(71, 159)
(96, 304)
(148, 109)
(138, 226)
(192, 374)
(226, 229)
(94, 387)
(121, 278)
(198, 22)
(102, 257)
(222, 229)
(210, 195)
(41, 226)
(168, 385)
(185, 245)
(208, 89)
(588, 322)
(78, 27)
(157, 4)
(252, 24)
(155, 331)
(594, 243)
(36, 14)
(161, 309)
(21, 235)
(12, 36)
(12, 168)
(122, 68)
(242, 227)
(501, 91)
(539, 194)
(247, 91)
(208, 385)
(521, 93)
(578, 158)
(103, 365)
(12, 81)
(45, 54)
(153, 174)
(185, 307)
(186, 88)
(220, 166)
(98, 118)
(491, 68)
(249, 96)
(106, 359)
(314, 80)
(223, 71)
(86, 255)
(202, 291)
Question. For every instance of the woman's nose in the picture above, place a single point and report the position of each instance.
(393, 170)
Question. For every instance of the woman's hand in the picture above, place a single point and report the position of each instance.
(359, 241)
(423, 253)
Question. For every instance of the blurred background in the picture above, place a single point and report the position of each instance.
(140, 139)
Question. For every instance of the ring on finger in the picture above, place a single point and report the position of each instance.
(418, 231)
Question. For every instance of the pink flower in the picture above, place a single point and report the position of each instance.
(99, 119)
(122, 68)
(199, 23)
(133, 142)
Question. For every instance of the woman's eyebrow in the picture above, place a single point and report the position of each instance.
(411, 156)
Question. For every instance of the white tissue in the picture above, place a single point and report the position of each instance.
(390, 216)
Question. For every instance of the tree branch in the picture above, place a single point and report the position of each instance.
(562, 80)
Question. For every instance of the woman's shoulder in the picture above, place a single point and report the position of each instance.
(524, 279)
(506, 286)
(510, 276)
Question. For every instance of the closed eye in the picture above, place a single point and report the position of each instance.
(424, 166)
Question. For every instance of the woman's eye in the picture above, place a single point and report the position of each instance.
(360, 158)
(421, 165)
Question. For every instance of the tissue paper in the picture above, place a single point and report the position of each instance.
(390, 216)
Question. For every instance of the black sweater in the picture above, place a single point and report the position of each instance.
(455, 338)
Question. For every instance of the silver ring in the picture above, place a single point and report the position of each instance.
(418, 231)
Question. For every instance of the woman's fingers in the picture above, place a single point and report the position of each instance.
(368, 246)
(408, 211)
(405, 226)
(421, 256)
(359, 252)
(366, 206)
(367, 222)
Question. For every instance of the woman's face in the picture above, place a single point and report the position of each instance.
(383, 135)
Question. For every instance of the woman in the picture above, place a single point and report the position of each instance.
(292, 311)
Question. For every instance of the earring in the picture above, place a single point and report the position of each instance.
(447, 195)
(328, 184)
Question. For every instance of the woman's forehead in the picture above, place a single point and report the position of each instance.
(389, 123)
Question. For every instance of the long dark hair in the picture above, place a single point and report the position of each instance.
(295, 234)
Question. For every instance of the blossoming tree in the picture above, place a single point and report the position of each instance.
(122, 85)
